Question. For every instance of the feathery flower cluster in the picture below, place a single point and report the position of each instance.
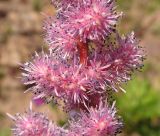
(56, 77)
(99, 121)
(114, 65)
(80, 20)
(52, 77)
(80, 69)
(96, 19)
(34, 124)
(58, 37)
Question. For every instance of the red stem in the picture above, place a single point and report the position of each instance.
(83, 52)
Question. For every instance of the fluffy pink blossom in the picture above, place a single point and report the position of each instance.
(58, 37)
(52, 78)
(99, 121)
(110, 67)
(91, 19)
(49, 77)
(95, 21)
(41, 74)
(73, 83)
(34, 124)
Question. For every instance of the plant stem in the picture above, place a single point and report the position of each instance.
(83, 52)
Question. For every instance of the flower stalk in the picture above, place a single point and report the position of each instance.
(83, 52)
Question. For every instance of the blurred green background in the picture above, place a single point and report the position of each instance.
(21, 35)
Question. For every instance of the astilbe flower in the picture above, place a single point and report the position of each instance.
(58, 37)
(50, 77)
(33, 123)
(39, 73)
(95, 21)
(99, 121)
(91, 19)
(110, 67)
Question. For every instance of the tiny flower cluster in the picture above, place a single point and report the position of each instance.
(96, 19)
(80, 69)
(99, 121)
(56, 77)
(34, 124)
(80, 20)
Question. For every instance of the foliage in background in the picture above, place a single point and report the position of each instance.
(37, 5)
(5, 132)
(140, 108)
(147, 5)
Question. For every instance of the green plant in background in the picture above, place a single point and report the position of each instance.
(140, 108)
(5, 132)
(153, 5)
(37, 5)
(125, 4)
(148, 5)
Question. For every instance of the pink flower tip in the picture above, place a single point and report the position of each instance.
(99, 121)
(92, 19)
(33, 123)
